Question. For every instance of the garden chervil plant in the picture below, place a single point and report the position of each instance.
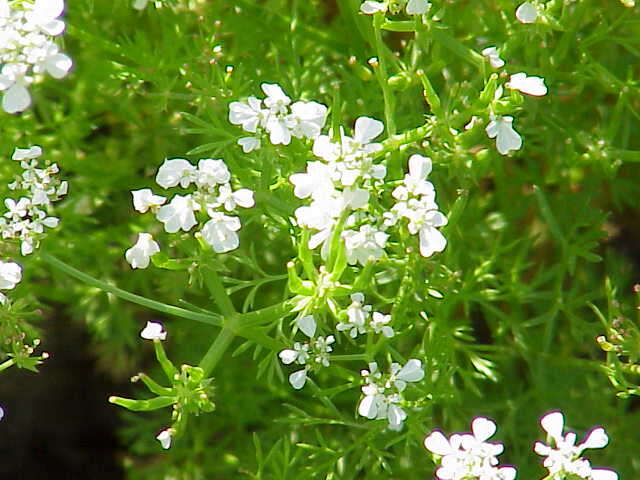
(341, 225)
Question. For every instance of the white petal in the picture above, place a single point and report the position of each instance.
(308, 325)
(437, 443)
(553, 423)
(367, 129)
(244, 198)
(48, 9)
(164, 437)
(368, 407)
(369, 7)
(298, 379)
(153, 331)
(530, 85)
(27, 153)
(417, 7)
(58, 65)
(483, 428)
(396, 416)
(288, 356)
(603, 474)
(507, 473)
(16, 99)
(431, 241)
(526, 13)
(412, 371)
(596, 439)
(249, 144)
(419, 166)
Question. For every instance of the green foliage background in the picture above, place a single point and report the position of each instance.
(532, 237)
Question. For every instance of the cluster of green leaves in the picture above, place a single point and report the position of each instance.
(531, 236)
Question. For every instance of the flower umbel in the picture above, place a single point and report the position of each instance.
(565, 459)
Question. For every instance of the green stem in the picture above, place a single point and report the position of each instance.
(382, 76)
(216, 350)
(394, 143)
(7, 364)
(211, 318)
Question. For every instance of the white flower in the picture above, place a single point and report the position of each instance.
(139, 255)
(357, 315)
(415, 182)
(507, 139)
(230, 199)
(316, 182)
(526, 13)
(379, 323)
(175, 171)
(366, 244)
(220, 232)
(164, 437)
(276, 100)
(212, 172)
(178, 215)
(307, 119)
(383, 393)
(10, 275)
(249, 144)
(530, 85)
(144, 200)
(565, 460)
(153, 331)
(494, 57)
(469, 455)
(249, 115)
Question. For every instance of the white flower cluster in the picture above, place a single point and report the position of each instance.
(360, 320)
(565, 459)
(468, 456)
(27, 49)
(276, 116)
(416, 201)
(27, 217)
(342, 183)
(10, 276)
(383, 393)
(412, 7)
(313, 353)
(213, 195)
(500, 127)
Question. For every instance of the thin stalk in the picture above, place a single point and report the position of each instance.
(211, 318)
(382, 76)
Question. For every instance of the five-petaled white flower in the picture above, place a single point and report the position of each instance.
(153, 331)
(139, 255)
(507, 139)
